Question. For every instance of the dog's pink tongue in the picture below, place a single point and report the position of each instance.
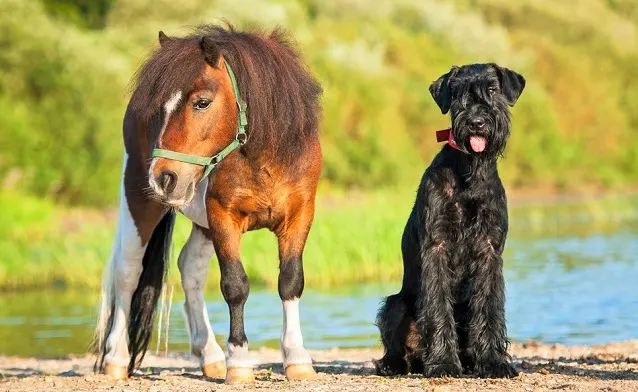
(478, 143)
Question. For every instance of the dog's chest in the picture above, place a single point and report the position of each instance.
(474, 210)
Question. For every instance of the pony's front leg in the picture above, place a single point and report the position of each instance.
(226, 234)
(292, 239)
(193, 266)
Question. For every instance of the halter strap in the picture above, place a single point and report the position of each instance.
(210, 163)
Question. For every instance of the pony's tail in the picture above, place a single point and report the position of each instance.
(149, 288)
(144, 300)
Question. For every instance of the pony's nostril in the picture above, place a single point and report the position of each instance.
(168, 180)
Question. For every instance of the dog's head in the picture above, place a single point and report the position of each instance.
(477, 97)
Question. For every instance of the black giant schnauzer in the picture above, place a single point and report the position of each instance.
(450, 313)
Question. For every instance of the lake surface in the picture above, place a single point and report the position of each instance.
(572, 281)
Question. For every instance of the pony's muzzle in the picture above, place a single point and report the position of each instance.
(171, 188)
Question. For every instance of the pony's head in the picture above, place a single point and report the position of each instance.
(187, 83)
(185, 100)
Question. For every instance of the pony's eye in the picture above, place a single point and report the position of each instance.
(491, 91)
(202, 104)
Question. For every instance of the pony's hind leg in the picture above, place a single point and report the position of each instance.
(296, 360)
(121, 278)
(394, 324)
(193, 266)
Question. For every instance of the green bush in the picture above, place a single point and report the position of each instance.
(63, 85)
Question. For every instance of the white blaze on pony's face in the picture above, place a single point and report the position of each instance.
(169, 108)
(199, 121)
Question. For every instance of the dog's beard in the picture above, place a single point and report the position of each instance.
(495, 131)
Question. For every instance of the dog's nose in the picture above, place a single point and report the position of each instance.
(167, 181)
(478, 123)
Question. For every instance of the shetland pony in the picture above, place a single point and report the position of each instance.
(222, 127)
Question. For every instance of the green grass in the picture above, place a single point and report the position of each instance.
(355, 238)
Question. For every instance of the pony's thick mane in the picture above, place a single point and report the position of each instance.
(282, 96)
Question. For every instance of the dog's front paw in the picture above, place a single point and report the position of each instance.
(495, 370)
(416, 365)
(442, 370)
(387, 367)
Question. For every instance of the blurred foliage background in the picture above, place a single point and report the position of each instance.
(65, 66)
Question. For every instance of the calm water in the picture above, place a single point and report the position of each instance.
(569, 283)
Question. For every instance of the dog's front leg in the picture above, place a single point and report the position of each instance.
(487, 337)
(436, 313)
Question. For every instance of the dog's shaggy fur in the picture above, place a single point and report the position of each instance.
(449, 316)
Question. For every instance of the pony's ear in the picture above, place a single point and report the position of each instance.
(163, 38)
(440, 90)
(210, 50)
(512, 84)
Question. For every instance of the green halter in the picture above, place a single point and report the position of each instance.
(211, 162)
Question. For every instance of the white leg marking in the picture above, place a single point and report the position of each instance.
(193, 266)
(292, 349)
(121, 277)
(239, 357)
(169, 108)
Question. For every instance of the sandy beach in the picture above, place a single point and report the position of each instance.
(610, 367)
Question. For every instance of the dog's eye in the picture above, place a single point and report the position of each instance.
(491, 91)
(202, 104)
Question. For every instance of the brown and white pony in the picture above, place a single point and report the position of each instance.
(184, 102)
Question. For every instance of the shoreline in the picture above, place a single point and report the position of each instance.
(72, 245)
(608, 367)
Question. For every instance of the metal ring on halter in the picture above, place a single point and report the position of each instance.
(242, 138)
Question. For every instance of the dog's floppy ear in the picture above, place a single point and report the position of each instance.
(440, 90)
(512, 84)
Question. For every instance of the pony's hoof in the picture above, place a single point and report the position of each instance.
(214, 370)
(299, 372)
(239, 376)
(116, 372)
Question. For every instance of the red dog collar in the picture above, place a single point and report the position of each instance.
(446, 135)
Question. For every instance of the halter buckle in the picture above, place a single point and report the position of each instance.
(241, 138)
